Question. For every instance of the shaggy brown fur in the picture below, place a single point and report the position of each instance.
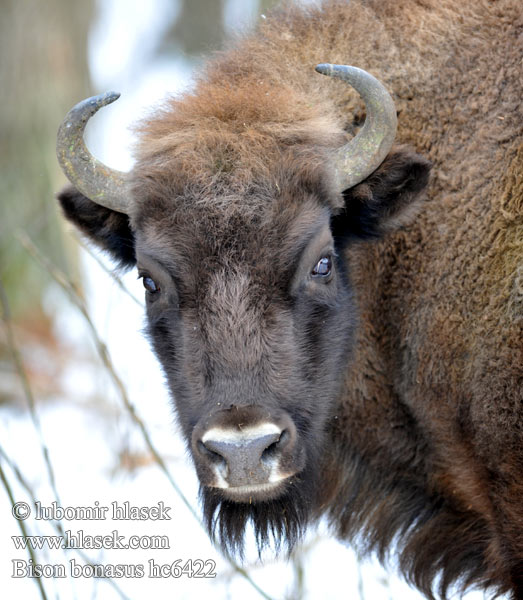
(429, 427)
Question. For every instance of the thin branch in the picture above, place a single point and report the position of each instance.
(17, 359)
(23, 529)
(27, 487)
(19, 364)
(109, 272)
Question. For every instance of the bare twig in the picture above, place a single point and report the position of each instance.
(19, 364)
(109, 272)
(23, 529)
(27, 487)
(361, 587)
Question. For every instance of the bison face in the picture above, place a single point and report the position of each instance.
(252, 317)
(251, 313)
(252, 322)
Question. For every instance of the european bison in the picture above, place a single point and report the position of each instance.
(334, 343)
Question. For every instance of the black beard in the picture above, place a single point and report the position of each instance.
(278, 523)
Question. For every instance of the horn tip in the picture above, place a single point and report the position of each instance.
(346, 72)
(95, 103)
(324, 68)
(107, 98)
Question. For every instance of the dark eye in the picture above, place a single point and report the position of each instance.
(323, 268)
(150, 285)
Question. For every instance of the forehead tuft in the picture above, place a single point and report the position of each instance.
(235, 149)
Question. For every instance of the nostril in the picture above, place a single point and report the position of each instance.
(270, 451)
(285, 438)
(215, 457)
(277, 446)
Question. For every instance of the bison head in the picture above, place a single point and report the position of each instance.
(238, 225)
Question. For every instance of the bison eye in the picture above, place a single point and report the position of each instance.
(150, 285)
(323, 268)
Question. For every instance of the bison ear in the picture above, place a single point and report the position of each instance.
(389, 198)
(109, 229)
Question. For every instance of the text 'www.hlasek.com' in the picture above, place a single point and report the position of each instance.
(80, 540)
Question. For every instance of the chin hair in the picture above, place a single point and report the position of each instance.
(278, 523)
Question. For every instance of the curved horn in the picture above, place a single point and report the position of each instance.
(99, 183)
(364, 154)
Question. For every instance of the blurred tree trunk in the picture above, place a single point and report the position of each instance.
(43, 72)
(200, 28)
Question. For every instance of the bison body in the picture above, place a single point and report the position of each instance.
(363, 346)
